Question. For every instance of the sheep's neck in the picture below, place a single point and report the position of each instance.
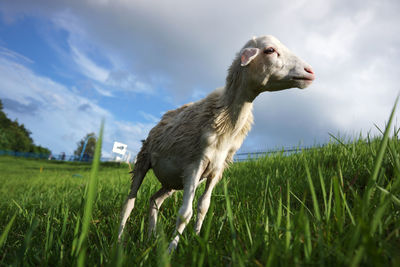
(237, 105)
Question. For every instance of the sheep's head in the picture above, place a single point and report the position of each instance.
(271, 66)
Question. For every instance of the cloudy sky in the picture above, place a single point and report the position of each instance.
(64, 65)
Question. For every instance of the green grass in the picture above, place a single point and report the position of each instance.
(338, 205)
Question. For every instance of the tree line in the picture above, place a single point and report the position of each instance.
(16, 137)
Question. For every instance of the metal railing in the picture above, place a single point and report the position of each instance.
(238, 157)
(60, 157)
(246, 156)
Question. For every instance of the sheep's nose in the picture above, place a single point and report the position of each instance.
(309, 70)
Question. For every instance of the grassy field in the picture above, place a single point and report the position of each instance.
(338, 205)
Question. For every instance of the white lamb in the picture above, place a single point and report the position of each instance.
(197, 141)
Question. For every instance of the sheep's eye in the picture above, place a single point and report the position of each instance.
(269, 50)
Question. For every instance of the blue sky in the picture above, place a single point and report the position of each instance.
(66, 64)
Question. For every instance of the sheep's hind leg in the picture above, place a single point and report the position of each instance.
(204, 202)
(185, 213)
(186, 210)
(155, 203)
(137, 180)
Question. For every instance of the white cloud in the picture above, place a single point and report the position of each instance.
(149, 117)
(7, 53)
(110, 77)
(353, 47)
(102, 91)
(57, 117)
(88, 67)
(337, 44)
(58, 121)
(125, 81)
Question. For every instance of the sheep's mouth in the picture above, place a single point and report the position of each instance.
(303, 81)
(310, 79)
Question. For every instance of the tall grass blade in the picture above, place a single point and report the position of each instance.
(338, 203)
(312, 189)
(23, 252)
(378, 162)
(357, 257)
(347, 207)
(321, 180)
(377, 218)
(307, 235)
(338, 140)
(207, 228)
(302, 203)
(384, 142)
(393, 197)
(248, 231)
(235, 254)
(329, 209)
(90, 198)
(163, 257)
(6, 230)
(229, 212)
(279, 215)
(288, 230)
(76, 236)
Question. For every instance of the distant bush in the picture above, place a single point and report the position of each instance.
(88, 154)
(15, 137)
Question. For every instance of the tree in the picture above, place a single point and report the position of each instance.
(90, 146)
(15, 137)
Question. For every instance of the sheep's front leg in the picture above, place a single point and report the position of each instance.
(186, 211)
(204, 202)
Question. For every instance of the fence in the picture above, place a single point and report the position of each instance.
(61, 157)
(247, 156)
(23, 154)
(241, 156)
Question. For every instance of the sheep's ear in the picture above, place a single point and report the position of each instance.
(247, 55)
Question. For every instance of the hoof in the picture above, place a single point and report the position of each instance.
(173, 245)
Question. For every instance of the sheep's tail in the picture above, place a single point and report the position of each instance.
(141, 167)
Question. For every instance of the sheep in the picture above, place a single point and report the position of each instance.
(197, 141)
